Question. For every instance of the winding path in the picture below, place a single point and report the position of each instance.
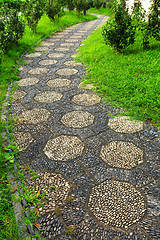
(100, 174)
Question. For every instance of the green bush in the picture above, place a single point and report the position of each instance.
(70, 5)
(54, 9)
(119, 31)
(16, 4)
(81, 5)
(11, 27)
(33, 11)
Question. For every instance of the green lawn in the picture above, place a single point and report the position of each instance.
(130, 80)
(9, 70)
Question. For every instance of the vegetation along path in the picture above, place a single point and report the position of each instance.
(100, 175)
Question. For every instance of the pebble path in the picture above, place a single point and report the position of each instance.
(100, 175)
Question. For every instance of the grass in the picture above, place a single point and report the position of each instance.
(130, 80)
(103, 11)
(9, 70)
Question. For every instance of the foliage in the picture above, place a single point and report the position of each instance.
(15, 4)
(11, 27)
(54, 9)
(138, 15)
(33, 11)
(130, 80)
(98, 3)
(119, 31)
(80, 6)
(152, 28)
(70, 4)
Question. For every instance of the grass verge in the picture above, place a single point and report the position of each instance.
(9, 70)
(103, 11)
(130, 80)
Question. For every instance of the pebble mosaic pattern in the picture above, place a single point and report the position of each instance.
(122, 154)
(100, 175)
(58, 82)
(64, 148)
(48, 97)
(125, 125)
(77, 119)
(117, 204)
(28, 82)
(86, 99)
(34, 116)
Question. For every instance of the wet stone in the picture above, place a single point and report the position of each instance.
(34, 116)
(47, 62)
(48, 97)
(64, 148)
(18, 94)
(23, 139)
(58, 83)
(125, 125)
(38, 70)
(86, 99)
(77, 119)
(28, 82)
(121, 154)
(67, 71)
(117, 204)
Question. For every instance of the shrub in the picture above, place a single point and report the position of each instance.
(33, 11)
(54, 9)
(80, 6)
(119, 31)
(15, 4)
(70, 5)
(11, 27)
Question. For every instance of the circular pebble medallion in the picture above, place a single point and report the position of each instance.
(71, 40)
(86, 99)
(32, 55)
(48, 44)
(64, 148)
(34, 116)
(48, 62)
(122, 154)
(86, 86)
(38, 70)
(28, 61)
(61, 49)
(41, 49)
(23, 139)
(117, 204)
(56, 55)
(48, 97)
(76, 37)
(18, 94)
(66, 44)
(125, 125)
(58, 82)
(77, 119)
(72, 63)
(67, 71)
(28, 82)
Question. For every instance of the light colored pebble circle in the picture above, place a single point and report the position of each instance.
(56, 55)
(67, 71)
(41, 49)
(86, 86)
(61, 49)
(48, 97)
(48, 44)
(23, 139)
(58, 83)
(117, 204)
(38, 71)
(28, 82)
(64, 148)
(77, 119)
(125, 125)
(18, 94)
(122, 154)
(32, 55)
(71, 40)
(28, 61)
(72, 63)
(54, 187)
(48, 62)
(86, 99)
(34, 116)
(66, 44)
(76, 37)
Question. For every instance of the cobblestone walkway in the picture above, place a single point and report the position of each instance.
(100, 174)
